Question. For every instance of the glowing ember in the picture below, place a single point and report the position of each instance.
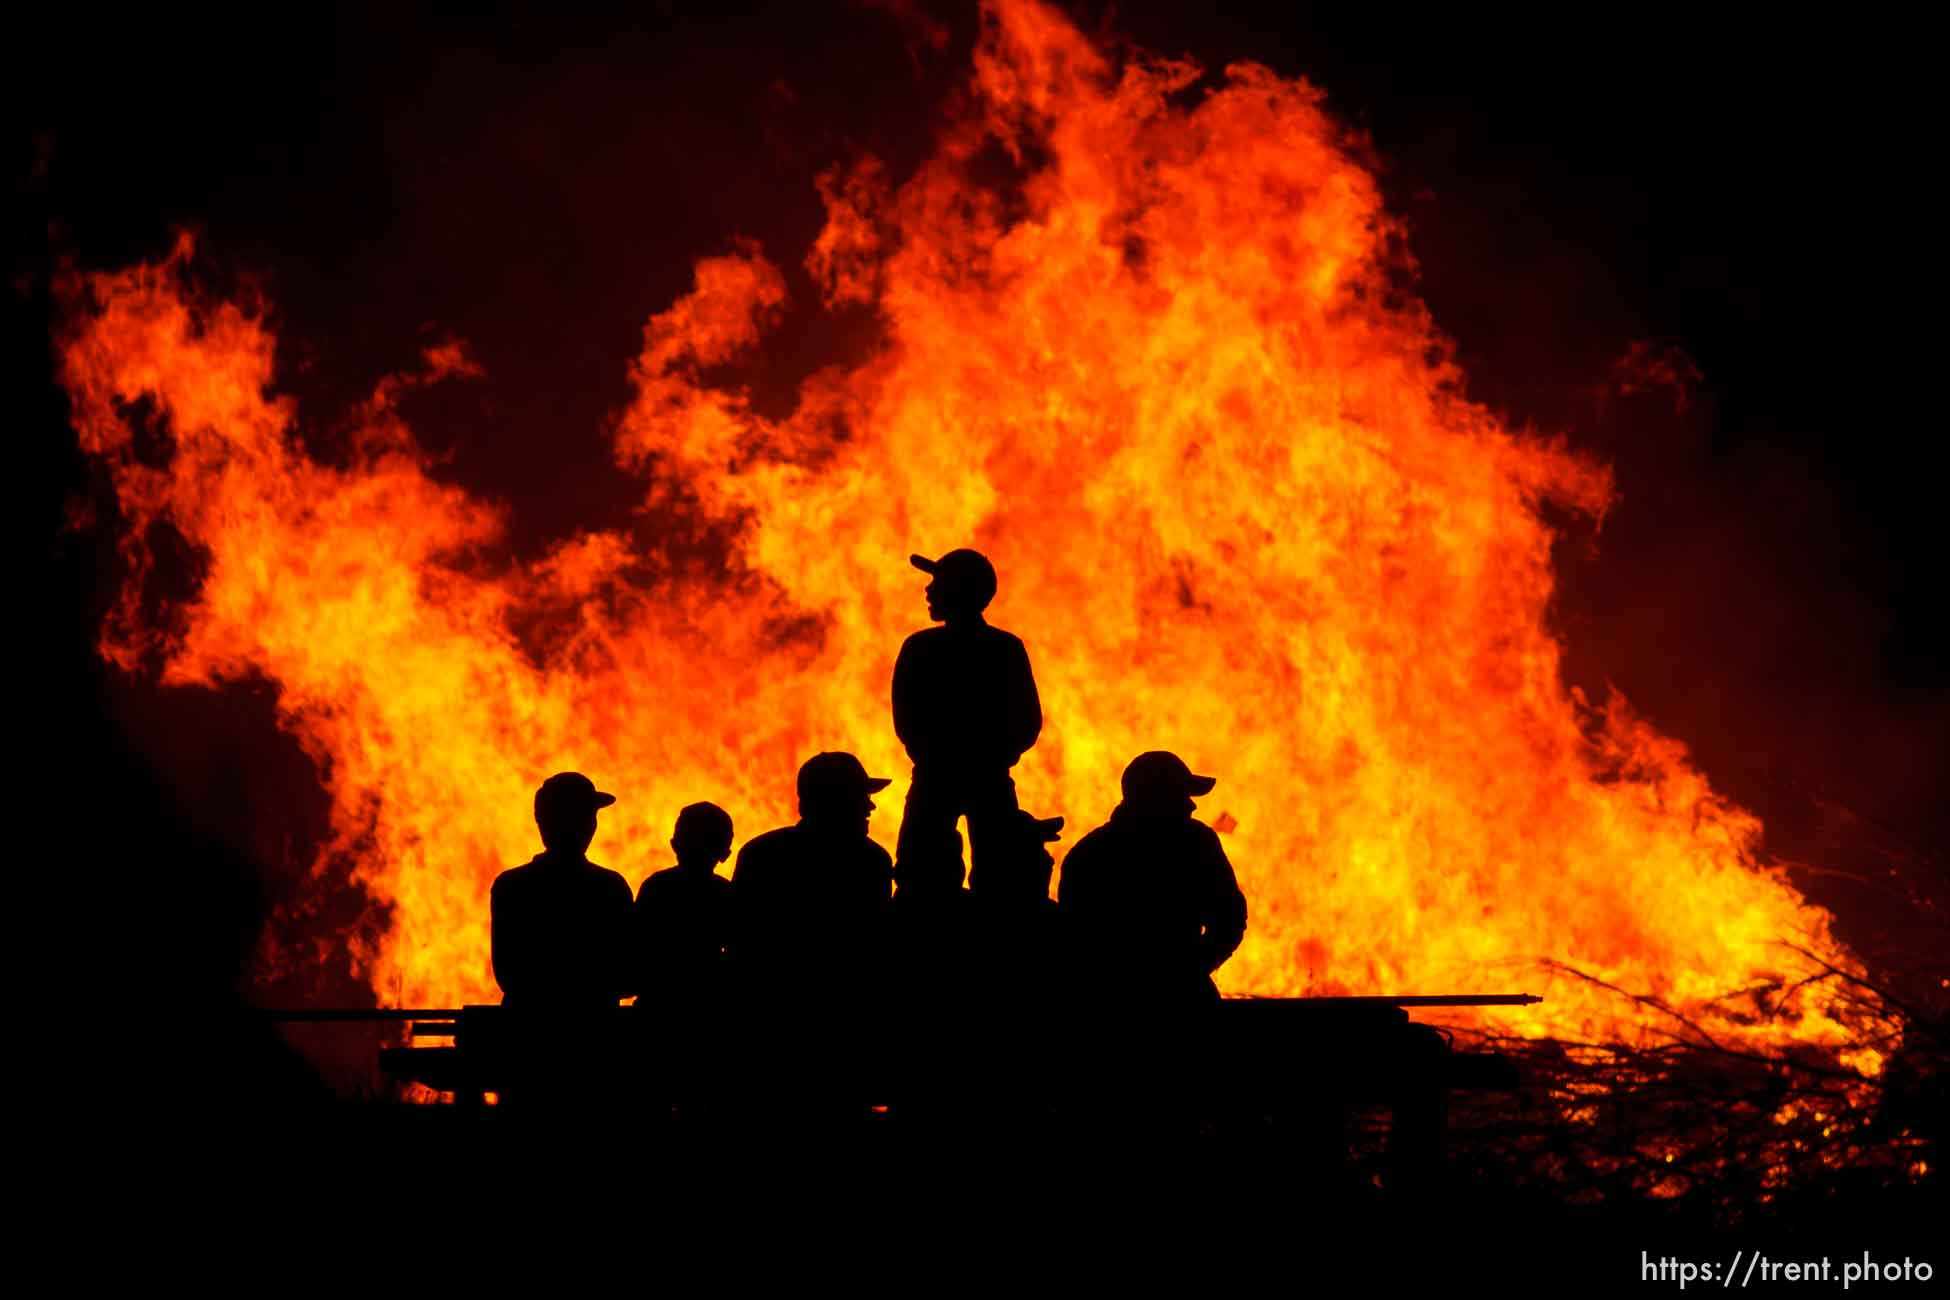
(1239, 508)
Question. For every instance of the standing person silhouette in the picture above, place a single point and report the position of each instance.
(965, 706)
(559, 925)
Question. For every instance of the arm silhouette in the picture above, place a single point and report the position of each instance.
(618, 933)
(507, 942)
(908, 706)
(1025, 707)
(1225, 912)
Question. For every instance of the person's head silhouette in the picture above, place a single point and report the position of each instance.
(1030, 834)
(1023, 851)
(702, 837)
(565, 812)
(1158, 784)
(963, 586)
(835, 792)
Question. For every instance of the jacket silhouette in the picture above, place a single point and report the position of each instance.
(1150, 897)
(559, 924)
(965, 707)
(811, 899)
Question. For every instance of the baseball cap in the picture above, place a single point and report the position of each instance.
(571, 790)
(966, 569)
(834, 773)
(1160, 774)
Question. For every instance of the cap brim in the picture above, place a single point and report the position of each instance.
(875, 784)
(1201, 785)
(923, 563)
(603, 800)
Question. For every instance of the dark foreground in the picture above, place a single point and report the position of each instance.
(846, 1201)
(259, 1160)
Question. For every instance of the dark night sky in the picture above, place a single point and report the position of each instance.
(537, 184)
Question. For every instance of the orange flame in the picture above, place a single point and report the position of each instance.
(1239, 507)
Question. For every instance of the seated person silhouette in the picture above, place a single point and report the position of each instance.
(1149, 897)
(560, 923)
(683, 914)
(811, 898)
(965, 706)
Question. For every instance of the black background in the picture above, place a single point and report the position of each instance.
(1750, 190)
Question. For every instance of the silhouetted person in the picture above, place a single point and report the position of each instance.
(965, 707)
(812, 903)
(1150, 908)
(811, 898)
(685, 1001)
(1149, 896)
(560, 923)
(684, 914)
